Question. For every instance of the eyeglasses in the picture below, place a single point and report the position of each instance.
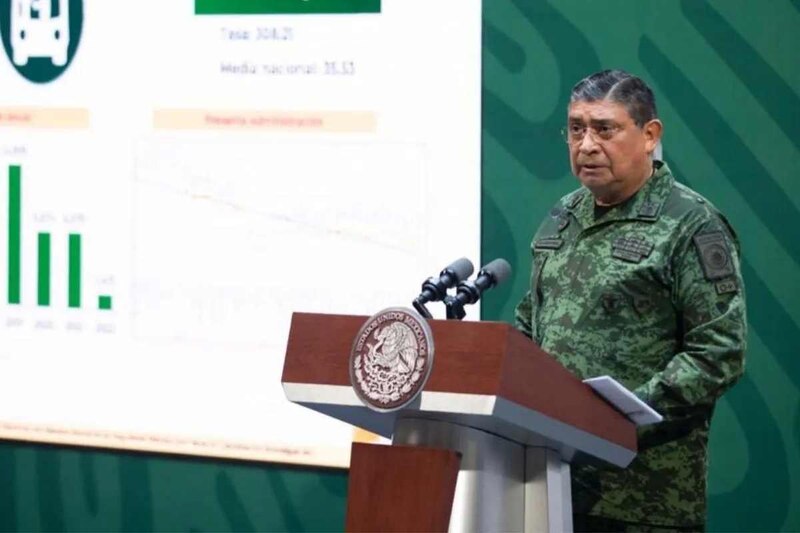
(574, 133)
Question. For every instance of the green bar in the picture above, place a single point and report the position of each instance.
(104, 302)
(14, 233)
(276, 7)
(44, 269)
(74, 296)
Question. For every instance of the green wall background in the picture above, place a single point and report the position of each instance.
(727, 77)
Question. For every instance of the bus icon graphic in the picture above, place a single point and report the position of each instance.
(39, 28)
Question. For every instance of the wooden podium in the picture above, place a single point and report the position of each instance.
(485, 447)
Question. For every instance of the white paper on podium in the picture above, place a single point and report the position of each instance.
(624, 400)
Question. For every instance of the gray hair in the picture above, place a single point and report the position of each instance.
(621, 87)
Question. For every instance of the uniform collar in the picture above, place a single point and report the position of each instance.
(646, 204)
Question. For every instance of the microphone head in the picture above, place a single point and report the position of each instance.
(461, 269)
(499, 269)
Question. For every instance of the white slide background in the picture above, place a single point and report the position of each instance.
(208, 233)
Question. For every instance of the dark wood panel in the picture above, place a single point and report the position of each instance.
(319, 348)
(534, 379)
(467, 355)
(489, 358)
(400, 488)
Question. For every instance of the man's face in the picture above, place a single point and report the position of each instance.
(612, 159)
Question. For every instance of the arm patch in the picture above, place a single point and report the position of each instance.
(714, 254)
(726, 286)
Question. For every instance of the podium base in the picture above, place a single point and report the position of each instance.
(501, 485)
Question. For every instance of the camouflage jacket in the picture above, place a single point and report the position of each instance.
(651, 294)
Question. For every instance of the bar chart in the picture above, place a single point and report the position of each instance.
(72, 242)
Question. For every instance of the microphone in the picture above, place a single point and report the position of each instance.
(491, 275)
(435, 289)
(469, 292)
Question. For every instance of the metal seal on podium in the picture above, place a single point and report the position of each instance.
(391, 359)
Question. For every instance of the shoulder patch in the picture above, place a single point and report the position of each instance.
(715, 257)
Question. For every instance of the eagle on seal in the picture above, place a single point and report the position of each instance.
(396, 348)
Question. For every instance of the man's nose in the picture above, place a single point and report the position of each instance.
(588, 143)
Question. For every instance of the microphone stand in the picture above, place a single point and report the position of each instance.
(454, 308)
(421, 309)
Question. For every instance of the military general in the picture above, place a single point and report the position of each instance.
(636, 276)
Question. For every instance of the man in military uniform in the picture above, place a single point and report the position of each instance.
(637, 276)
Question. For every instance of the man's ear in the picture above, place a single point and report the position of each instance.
(652, 134)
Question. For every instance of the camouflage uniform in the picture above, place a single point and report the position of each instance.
(651, 294)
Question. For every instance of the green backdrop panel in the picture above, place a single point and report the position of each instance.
(726, 78)
(44, 488)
